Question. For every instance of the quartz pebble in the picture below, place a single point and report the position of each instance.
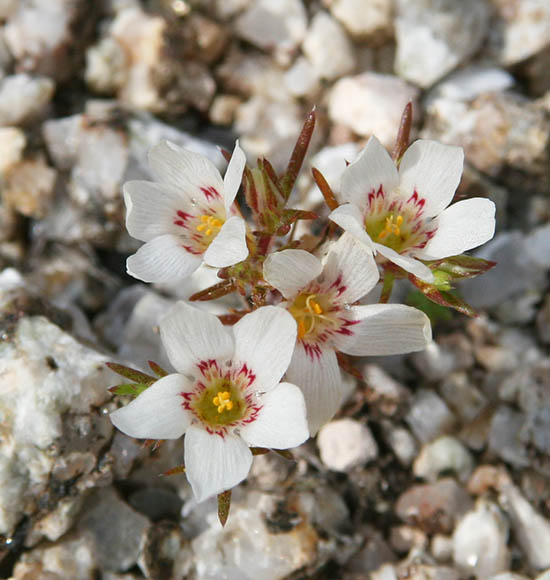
(444, 455)
(428, 416)
(370, 21)
(370, 104)
(328, 48)
(433, 507)
(345, 444)
(434, 36)
(23, 98)
(531, 528)
(275, 25)
(480, 541)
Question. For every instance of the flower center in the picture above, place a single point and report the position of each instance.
(209, 224)
(221, 403)
(310, 312)
(391, 228)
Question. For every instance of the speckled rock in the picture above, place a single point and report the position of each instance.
(50, 386)
(370, 104)
(24, 98)
(328, 48)
(434, 36)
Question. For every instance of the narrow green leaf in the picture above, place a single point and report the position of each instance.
(224, 505)
(404, 133)
(128, 389)
(131, 374)
(324, 187)
(216, 291)
(157, 369)
(298, 154)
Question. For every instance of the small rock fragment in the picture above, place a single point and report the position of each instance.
(428, 416)
(434, 36)
(345, 444)
(434, 508)
(371, 104)
(480, 541)
(364, 21)
(530, 528)
(23, 98)
(444, 455)
(328, 48)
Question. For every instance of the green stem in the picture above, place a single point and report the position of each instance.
(387, 287)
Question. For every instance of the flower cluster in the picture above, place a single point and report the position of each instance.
(302, 312)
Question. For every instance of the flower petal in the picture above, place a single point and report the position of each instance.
(233, 176)
(351, 265)
(190, 335)
(318, 377)
(462, 226)
(290, 270)
(350, 219)
(151, 209)
(409, 264)
(385, 329)
(213, 463)
(157, 413)
(264, 340)
(281, 422)
(162, 259)
(373, 169)
(229, 246)
(433, 170)
(192, 173)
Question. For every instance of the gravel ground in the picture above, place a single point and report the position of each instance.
(438, 465)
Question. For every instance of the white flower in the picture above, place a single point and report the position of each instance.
(321, 300)
(401, 214)
(225, 396)
(186, 217)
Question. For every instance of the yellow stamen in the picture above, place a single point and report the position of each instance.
(390, 227)
(210, 224)
(223, 401)
(301, 329)
(313, 306)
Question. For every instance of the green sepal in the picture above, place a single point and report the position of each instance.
(462, 266)
(157, 369)
(131, 374)
(442, 297)
(134, 389)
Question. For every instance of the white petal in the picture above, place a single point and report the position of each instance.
(385, 329)
(350, 219)
(214, 464)
(157, 413)
(151, 209)
(184, 169)
(233, 176)
(320, 381)
(229, 246)
(462, 226)
(434, 171)
(290, 270)
(351, 263)
(409, 264)
(190, 335)
(373, 168)
(281, 423)
(162, 259)
(264, 340)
